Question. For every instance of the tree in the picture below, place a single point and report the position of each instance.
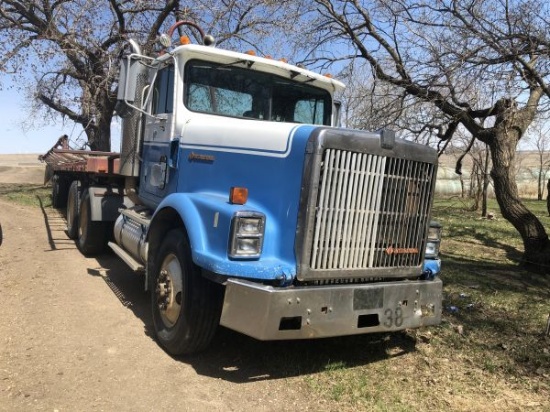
(540, 133)
(65, 52)
(479, 162)
(70, 48)
(441, 53)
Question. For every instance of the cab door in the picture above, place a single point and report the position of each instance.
(157, 178)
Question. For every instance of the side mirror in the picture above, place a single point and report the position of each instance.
(336, 109)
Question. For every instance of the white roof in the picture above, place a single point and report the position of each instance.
(263, 64)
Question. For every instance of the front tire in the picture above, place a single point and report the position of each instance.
(186, 306)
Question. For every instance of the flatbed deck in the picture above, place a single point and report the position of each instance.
(62, 158)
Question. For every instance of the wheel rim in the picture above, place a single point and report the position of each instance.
(169, 290)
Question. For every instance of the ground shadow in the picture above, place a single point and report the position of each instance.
(497, 310)
(239, 358)
(488, 240)
(233, 356)
(492, 277)
(56, 228)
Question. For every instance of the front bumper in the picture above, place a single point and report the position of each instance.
(270, 313)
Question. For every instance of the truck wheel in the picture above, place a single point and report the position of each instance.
(73, 205)
(60, 187)
(92, 236)
(186, 306)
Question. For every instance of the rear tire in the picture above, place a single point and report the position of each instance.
(186, 306)
(60, 188)
(73, 206)
(92, 236)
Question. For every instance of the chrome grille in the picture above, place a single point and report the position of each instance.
(372, 211)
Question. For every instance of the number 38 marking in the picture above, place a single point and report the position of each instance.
(393, 318)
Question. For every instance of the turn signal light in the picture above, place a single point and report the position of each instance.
(238, 195)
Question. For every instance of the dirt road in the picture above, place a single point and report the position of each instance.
(75, 335)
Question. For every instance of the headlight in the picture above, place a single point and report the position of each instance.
(434, 240)
(247, 235)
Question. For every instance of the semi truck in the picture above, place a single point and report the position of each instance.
(245, 204)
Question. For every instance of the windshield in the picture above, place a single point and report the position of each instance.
(232, 91)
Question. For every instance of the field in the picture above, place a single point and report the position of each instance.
(491, 352)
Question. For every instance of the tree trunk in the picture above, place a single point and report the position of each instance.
(539, 186)
(485, 183)
(99, 137)
(98, 131)
(535, 240)
(475, 187)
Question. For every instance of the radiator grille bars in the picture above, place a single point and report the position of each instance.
(372, 211)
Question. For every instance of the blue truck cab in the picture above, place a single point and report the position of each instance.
(246, 206)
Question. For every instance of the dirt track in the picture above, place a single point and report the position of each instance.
(75, 335)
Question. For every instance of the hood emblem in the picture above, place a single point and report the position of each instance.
(401, 251)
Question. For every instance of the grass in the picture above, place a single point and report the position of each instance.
(26, 194)
(489, 354)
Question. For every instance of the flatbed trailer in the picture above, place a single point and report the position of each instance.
(74, 173)
(61, 158)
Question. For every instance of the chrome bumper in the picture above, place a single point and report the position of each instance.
(269, 313)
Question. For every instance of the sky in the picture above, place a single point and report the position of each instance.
(13, 138)
(17, 139)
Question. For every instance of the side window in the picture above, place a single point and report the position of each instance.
(163, 91)
(309, 111)
(233, 103)
(199, 98)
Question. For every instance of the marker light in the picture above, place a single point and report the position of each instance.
(184, 40)
(238, 195)
(250, 52)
